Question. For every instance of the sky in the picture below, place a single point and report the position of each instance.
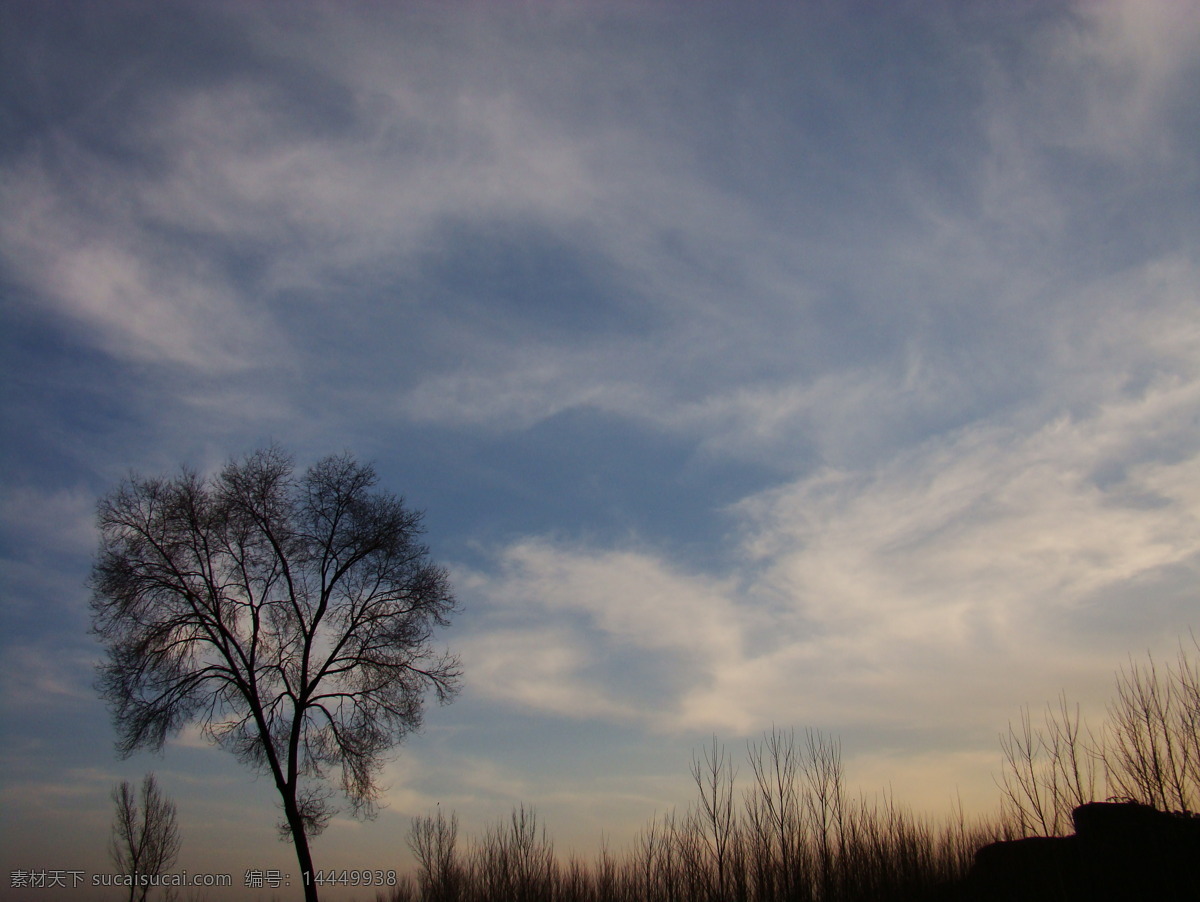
(815, 365)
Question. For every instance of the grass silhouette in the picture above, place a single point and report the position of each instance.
(792, 834)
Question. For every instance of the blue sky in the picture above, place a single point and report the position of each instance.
(820, 365)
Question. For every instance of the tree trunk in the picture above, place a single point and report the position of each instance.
(300, 840)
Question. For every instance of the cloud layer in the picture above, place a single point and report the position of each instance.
(806, 365)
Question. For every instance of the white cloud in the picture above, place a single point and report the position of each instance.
(1136, 62)
(85, 255)
(539, 668)
(985, 300)
(333, 203)
(628, 595)
(560, 621)
(125, 248)
(1089, 115)
(976, 553)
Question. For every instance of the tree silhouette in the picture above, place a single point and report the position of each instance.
(145, 840)
(289, 615)
(1148, 751)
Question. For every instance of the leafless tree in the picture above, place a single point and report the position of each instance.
(774, 810)
(716, 817)
(145, 839)
(290, 615)
(434, 842)
(821, 765)
(1148, 751)
(1154, 740)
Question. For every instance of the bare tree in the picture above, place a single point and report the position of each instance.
(1032, 770)
(774, 810)
(1148, 751)
(716, 818)
(821, 765)
(290, 615)
(1154, 743)
(434, 841)
(145, 839)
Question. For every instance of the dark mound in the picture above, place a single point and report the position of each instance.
(1119, 851)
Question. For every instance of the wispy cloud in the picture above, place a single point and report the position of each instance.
(586, 633)
(1018, 536)
(900, 305)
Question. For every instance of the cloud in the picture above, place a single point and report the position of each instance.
(1139, 68)
(44, 677)
(988, 544)
(627, 594)
(923, 282)
(538, 669)
(519, 393)
(230, 201)
(1007, 540)
(597, 633)
(73, 789)
(894, 556)
(1085, 122)
(966, 298)
(144, 297)
(61, 519)
(994, 521)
